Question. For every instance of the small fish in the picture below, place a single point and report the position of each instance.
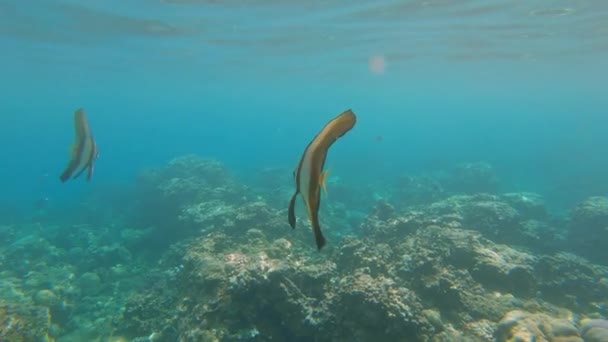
(309, 175)
(84, 151)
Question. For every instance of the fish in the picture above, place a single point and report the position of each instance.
(309, 175)
(84, 151)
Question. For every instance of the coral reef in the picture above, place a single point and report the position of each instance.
(513, 218)
(434, 267)
(594, 330)
(411, 275)
(243, 290)
(53, 289)
(524, 326)
(416, 190)
(203, 257)
(573, 282)
(588, 233)
(470, 178)
(183, 185)
(21, 319)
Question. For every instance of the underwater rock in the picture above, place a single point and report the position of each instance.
(540, 234)
(485, 213)
(493, 217)
(208, 171)
(35, 280)
(470, 178)
(383, 211)
(527, 204)
(594, 330)
(238, 222)
(588, 233)
(7, 234)
(479, 330)
(163, 194)
(523, 326)
(242, 274)
(235, 287)
(20, 318)
(416, 191)
(502, 220)
(572, 282)
(24, 323)
(383, 223)
(439, 265)
(31, 247)
(259, 284)
(592, 211)
(255, 234)
(505, 269)
(209, 214)
(280, 249)
(46, 298)
(434, 317)
(90, 284)
(108, 256)
(133, 238)
(152, 311)
(242, 289)
(355, 254)
(365, 303)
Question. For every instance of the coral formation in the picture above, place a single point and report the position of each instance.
(203, 257)
(594, 330)
(419, 274)
(470, 178)
(524, 326)
(588, 232)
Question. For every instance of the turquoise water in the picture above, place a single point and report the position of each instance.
(520, 85)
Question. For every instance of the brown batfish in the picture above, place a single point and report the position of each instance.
(309, 175)
(84, 151)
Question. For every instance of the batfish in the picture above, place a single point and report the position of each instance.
(309, 175)
(84, 151)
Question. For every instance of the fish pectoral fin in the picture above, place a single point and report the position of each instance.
(90, 171)
(291, 212)
(323, 180)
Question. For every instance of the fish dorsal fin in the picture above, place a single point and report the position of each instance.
(323, 180)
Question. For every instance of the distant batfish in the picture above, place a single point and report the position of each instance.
(309, 175)
(84, 151)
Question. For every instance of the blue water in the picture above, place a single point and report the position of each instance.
(521, 85)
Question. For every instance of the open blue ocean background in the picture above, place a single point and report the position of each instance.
(519, 85)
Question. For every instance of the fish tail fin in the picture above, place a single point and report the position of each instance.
(319, 238)
(65, 176)
(68, 171)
